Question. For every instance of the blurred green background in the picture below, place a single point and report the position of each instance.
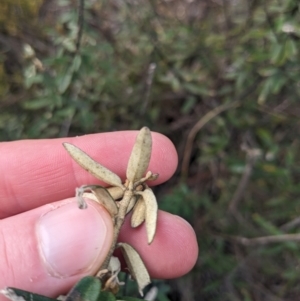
(220, 78)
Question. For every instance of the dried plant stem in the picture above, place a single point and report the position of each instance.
(265, 240)
(80, 24)
(252, 156)
(119, 220)
(196, 128)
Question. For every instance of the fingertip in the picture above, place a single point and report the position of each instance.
(174, 250)
(163, 154)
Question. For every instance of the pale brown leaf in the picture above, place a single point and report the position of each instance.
(104, 198)
(100, 195)
(140, 155)
(136, 266)
(139, 211)
(90, 196)
(151, 213)
(97, 170)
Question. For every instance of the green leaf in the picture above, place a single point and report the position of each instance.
(64, 84)
(291, 49)
(265, 91)
(278, 54)
(87, 289)
(36, 104)
(76, 63)
(106, 296)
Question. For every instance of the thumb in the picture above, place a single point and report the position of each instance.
(48, 249)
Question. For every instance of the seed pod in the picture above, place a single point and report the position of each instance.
(140, 155)
(139, 211)
(93, 167)
(151, 213)
(135, 265)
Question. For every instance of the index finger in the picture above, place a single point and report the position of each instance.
(37, 172)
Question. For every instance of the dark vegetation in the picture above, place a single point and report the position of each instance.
(220, 78)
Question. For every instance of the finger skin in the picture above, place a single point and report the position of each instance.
(172, 253)
(21, 263)
(34, 168)
(174, 250)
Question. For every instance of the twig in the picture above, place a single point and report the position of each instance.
(80, 23)
(197, 127)
(148, 85)
(264, 240)
(252, 156)
(290, 225)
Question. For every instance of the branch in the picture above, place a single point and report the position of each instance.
(252, 156)
(80, 23)
(197, 127)
(265, 240)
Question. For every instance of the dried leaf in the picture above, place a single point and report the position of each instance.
(139, 211)
(135, 265)
(90, 196)
(97, 170)
(100, 195)
(114, 265)
(151, 213)
(116, 192)
(140, 155)
(104, 198)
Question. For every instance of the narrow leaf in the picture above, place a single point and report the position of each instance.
(93, 167)
(104, 198)
(135, 265)
(87, 289)
(151, 213)
(139, 211)
(100, 195)
(140, 155)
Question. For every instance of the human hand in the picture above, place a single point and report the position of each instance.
(51, 244)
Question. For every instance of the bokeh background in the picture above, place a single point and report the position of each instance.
(220, 78)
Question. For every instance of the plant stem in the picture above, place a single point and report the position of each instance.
(119, 220)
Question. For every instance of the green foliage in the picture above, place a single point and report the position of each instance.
(87, 289)
(243, 171)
